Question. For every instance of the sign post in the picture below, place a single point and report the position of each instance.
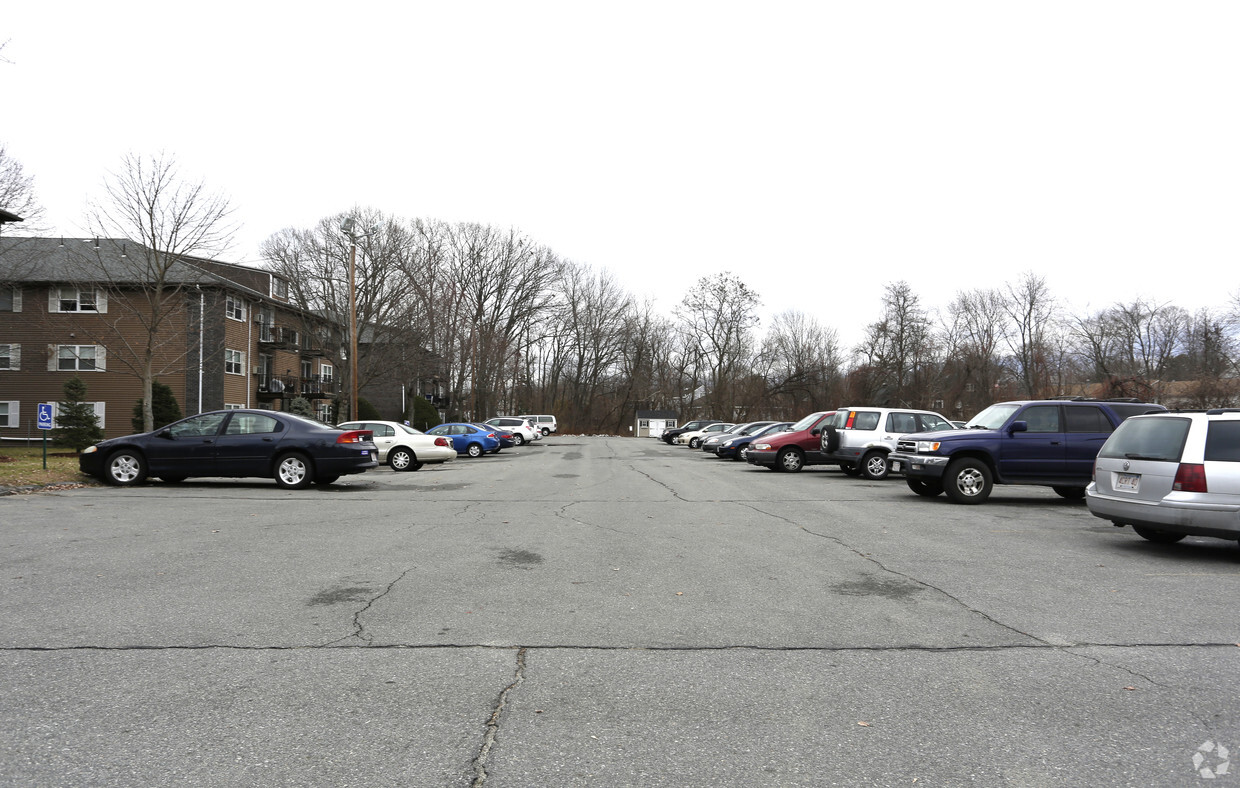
(45, 424)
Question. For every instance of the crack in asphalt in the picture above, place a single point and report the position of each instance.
(896, 573)
(664, 485)
(898, 648)
(359, 629)
(563, 514)
(488, 741)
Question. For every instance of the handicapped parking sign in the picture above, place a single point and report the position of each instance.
(45, 416)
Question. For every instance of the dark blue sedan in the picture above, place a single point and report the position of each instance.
(293, 450)
(738, 447)
(468, 438)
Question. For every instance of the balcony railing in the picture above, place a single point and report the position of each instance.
(313, 387)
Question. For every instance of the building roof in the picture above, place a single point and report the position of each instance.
(115, 261)
(8, 216)
(656, 414)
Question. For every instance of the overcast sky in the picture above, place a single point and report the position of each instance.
(818, 150)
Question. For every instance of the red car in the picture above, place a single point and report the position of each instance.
(793, 450)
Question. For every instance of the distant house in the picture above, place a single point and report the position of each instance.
(230, 337)
(651, 423)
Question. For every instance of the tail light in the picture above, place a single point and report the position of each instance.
(1190, 477)
(441, 441)
(491, 435)
(355, 436)
(852, 414)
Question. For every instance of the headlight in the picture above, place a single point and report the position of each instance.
(90, 450)
(761, 446)
(727, 443)
(927, 447)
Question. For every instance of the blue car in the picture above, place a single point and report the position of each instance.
(505, 437)
(468, 438)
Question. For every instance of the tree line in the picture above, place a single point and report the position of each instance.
(505, 325)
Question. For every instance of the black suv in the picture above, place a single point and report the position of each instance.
(1045, 442)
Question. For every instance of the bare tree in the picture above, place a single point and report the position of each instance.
(718, 316)
(17, 195)
(170, 221)
(899, 352)
(972, 338)
(801, 363)
(1031, 310)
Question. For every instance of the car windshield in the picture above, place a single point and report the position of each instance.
(807, 422)
(770, 429)
(409, 429)
(993, 417)
(1147, 439)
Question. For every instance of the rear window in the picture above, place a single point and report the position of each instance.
(1223, 441)
(864, 420)
(1147, 439)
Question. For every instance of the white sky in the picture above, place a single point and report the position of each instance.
(818, 150)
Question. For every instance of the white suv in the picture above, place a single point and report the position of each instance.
(860, 439)
(521, 429)
(544, 423)
(1171, 475)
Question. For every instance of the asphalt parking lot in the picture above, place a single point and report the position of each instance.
(605, 611)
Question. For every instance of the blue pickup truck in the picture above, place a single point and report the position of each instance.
(1052, 443)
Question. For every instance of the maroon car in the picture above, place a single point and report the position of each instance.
(793, 450)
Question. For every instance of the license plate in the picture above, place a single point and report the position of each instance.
(1127, 482)
(895, 466)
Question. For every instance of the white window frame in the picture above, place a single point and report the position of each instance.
(322, 410)
(233, 406)
(11, 419)
(101, 410)
(234, 308)
(10, 358)
(53, 358)
(327, 373)
(238, 359)
(56, 299)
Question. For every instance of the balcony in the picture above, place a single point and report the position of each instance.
(287, 386)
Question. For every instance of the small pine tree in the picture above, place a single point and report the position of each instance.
(301, 406)
(366, 411)
(77, 426)
(422, 414)
(164, 407)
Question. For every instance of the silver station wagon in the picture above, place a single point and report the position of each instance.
(1171, 475)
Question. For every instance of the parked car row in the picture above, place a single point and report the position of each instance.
(1168, 475)
(293, 450)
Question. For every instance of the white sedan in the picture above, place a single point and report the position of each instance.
(402, 447)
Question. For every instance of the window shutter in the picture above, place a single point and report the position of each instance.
(17, 299)
(53, 299)
(53, 355)
(101, 358)
(14, 420)
(101, 301)
(15, 357)
(100, 410)
(55, 413)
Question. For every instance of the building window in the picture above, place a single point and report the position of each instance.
(234, 362)
(8, 414)
(70, 298)
(228, 406)
(326, 372)
(279, 287)
(10, 357)
(10, 299)
(323, 412)
(234, 308)
(77, 358)
(100, 409)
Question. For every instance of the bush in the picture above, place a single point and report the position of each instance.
(366, 411)
(164, 407)
(77, 426)
(422, 414)
(301, 406)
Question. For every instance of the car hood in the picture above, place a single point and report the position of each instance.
(948, 435)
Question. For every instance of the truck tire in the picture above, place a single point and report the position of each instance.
(968, 480)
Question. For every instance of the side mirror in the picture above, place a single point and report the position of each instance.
(165, 434)
(815, 431)
(1018, 426)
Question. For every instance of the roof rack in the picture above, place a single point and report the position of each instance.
(1072, 398)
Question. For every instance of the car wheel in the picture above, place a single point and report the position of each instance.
(124, 468)
(417, 466)
(1154, 535)
(325, 479)
(968, 481)
(790, 460)
(173, 479)
(1071, 493)
(850, 470)
(518, 439)
(546, 432)
(694, 443)
(927, 488)
(401, 459)
(474, 450)
(293, 472)
(743, 454)
(874, 466)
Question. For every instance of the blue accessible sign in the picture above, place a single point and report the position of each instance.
(45, 416)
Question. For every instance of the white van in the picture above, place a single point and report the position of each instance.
(544, 423)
